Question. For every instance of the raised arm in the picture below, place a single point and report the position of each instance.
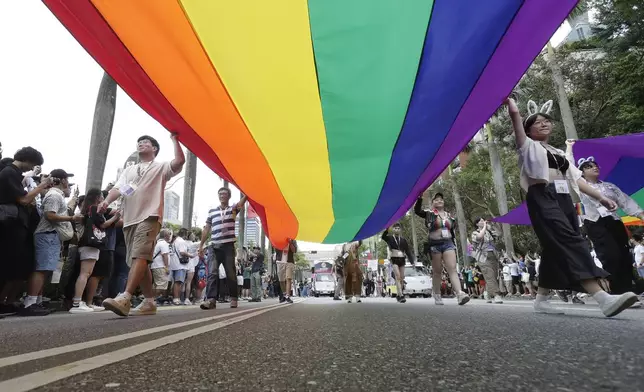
(418, 208)
(241, 203)
(517, 123)
(179, 157)
(385, 234)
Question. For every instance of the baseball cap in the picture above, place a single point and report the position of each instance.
(437, 195)
(60, 173)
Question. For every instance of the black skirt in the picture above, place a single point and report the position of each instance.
(565, 254)
(610, 239)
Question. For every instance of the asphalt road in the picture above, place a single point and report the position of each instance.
(325, 345)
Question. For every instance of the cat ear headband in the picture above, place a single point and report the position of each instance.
(581, 161)
(533, 109)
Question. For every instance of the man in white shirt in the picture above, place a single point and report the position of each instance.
(515, 276)
(160, 263)
(142, 188)
(179, 265)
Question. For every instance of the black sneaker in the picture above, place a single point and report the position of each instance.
(34, 310)
(337, 299)
(9, 309)
(208, 304)
(289, 300)
(577, 301)
(402, 300)
(282, 300)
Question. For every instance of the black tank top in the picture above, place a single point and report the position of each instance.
(556, 161)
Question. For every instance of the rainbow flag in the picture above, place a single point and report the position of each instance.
(331, 115)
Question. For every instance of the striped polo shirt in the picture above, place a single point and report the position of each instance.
(222, 223)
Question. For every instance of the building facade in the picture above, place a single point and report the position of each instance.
(171, 207)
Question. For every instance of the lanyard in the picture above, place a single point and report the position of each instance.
(140, 173)
(440, 222)
(397, 240)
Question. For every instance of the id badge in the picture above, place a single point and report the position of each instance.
(561, 186)
(128, 189)
(445, 233)
(603, 212)
(344, 256)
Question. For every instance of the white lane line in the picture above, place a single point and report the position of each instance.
(569, 307)
(48, 376)
(7, 361)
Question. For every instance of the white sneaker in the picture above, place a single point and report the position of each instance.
(119, 305)
(615, 304)
(187, 302)
(97, 308)
(498, 299)
(81, 308)
(463, 298)
(176, 301)
(546, 307)
(438, 300)
(145, 308)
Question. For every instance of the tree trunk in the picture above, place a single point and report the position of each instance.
(562, 96)
(499, 188)
(414, 237)
(189, 184)
(99, 144)
(242, 225)
(460, 220)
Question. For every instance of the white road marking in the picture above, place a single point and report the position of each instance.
(562, 307)
(48, 376)
(13, 360)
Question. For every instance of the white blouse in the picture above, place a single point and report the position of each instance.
(592, 206)
(533, 161)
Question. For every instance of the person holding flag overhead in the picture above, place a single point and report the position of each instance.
(398, 247)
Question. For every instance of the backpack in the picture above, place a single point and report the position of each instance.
(92, 235)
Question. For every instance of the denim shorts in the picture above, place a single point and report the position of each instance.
(178, 275)
(441, 246)
(47, 250)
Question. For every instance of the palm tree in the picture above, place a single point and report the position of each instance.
(499, 185)
(460, 218)
(557, 78)
(99, 144)
(189, 184)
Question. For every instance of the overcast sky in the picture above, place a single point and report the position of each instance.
(49, 86)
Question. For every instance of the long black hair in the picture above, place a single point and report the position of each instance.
(91, 199)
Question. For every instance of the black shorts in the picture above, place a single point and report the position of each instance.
(399, 261)
(516, 280)
(104, 264)
(246, 284)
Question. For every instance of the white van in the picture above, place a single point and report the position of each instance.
(419, 281)
(323, 284)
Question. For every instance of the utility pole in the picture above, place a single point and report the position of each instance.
(99, 144)
(414, 238)
(562, 96)
(460, 217)
(189, 184)
(499, 188)
(242, 225)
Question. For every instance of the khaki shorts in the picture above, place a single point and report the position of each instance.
(160, 278)
(140, 239)
(285, 271)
